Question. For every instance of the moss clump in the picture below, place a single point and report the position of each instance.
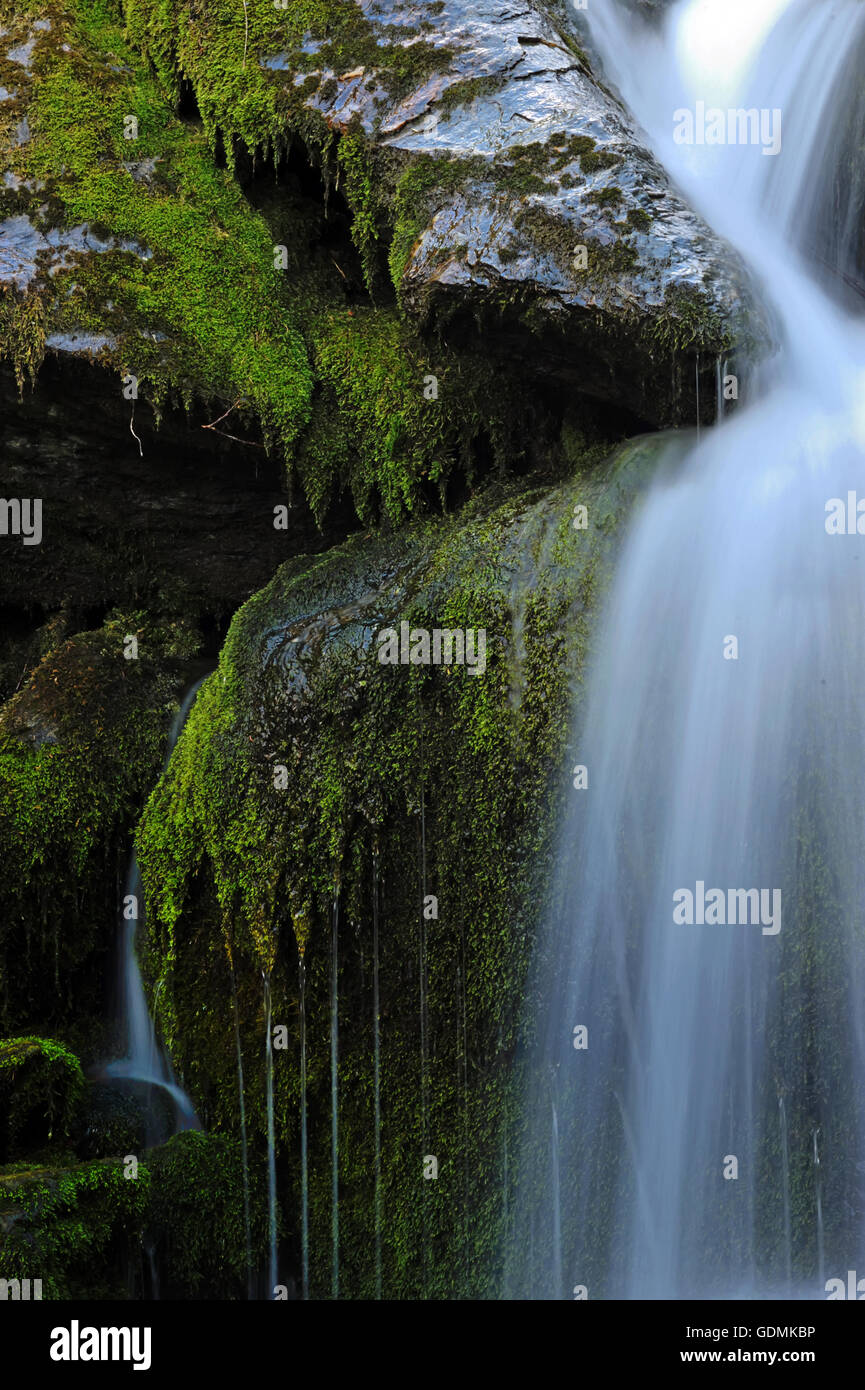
(393, 422)
(74, 1228)
(556, 237)
(610, 196)
(41, 1087)
(687, 324)
(219, 48)
(639, 219)
(402, 782)
(355, 165)
(468, 91)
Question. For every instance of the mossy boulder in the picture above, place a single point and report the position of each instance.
(317, 793)
(127, 245)
(121, 239)
(171, 1225)
(77, 1228)
(478, 153)
(80, 745)
(41, 1089)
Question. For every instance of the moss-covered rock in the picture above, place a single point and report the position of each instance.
(74, 1227)
(318, 791)
(80, 744)
(123, 242)
(444, 122)
(41, 1088)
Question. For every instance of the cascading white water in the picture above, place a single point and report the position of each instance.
(725, 741)
(145, 1061)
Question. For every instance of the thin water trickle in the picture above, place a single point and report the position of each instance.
(818, 1192)
(145, 1060)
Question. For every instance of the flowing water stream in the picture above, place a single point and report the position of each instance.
(145, 1059)
(724, 734)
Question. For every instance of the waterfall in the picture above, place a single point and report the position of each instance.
(706, 919)
(785, 1186)
(145, 1060)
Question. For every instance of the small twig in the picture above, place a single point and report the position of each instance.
(224, 416)
(212, 426)
(339, 267)
(245, 31)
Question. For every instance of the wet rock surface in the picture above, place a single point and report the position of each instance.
(540, 208)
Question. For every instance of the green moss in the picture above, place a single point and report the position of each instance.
(395, 422)
(688, 324)
(74, 1228)
(208, 285)
(355, 164)
(639, 219)
(605, 197)
(196, 1217)
(464, 93)
(218, 48)
(556, 237)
